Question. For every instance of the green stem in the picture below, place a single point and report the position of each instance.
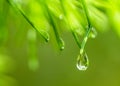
(86, 12)
(76, 39)
(84, 41)
(88, 28)
(73, 33)
(29, 21)
(58, 38)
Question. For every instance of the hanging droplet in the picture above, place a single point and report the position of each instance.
(61, 44)
(82, 62)
(45, 35)
(93, 33)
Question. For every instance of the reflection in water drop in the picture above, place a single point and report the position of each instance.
(82, 61)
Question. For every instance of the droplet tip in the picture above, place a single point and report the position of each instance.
(62, 48)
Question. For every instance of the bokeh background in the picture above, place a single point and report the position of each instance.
(51, 67)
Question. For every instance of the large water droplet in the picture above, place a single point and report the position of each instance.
(82, 62)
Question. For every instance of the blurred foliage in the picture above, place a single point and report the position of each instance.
(43, 15)
(25, 23)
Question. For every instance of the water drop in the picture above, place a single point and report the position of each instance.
(82, 62)
(61, 44)
(45, 35)
(93, 33)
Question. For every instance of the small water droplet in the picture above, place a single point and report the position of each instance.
(45, 35)
(62, 48)
(61, 44)
(82, 62)
(93, 32)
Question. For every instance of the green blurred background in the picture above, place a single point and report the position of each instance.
(54, 67)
